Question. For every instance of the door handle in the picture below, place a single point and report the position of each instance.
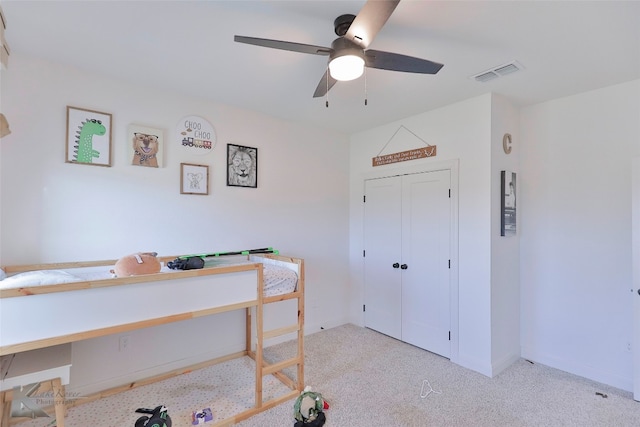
(396, 265)
(404, 266)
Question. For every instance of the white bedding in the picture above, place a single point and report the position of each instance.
(277, 280)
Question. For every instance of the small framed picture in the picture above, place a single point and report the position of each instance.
(194, 179)
(242, 166)
(146, 146)
(508, 203)
(88, 137)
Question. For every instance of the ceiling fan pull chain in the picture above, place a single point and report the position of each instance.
(365, 86)
(327, 93)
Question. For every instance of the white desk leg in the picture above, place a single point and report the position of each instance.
(59, 401)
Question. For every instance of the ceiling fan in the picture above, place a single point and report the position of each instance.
(348, 54)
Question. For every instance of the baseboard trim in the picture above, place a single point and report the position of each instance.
(580, 369)
(504, 363)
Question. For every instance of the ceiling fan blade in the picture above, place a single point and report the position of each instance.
(323, 88)
(291, 46)
(396, 62)
(373, 15)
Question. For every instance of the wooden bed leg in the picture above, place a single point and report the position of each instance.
(301, 285)
(5, 409)
(259, 338)
(248, 327)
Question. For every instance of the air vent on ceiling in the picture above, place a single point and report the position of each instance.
(499, 71)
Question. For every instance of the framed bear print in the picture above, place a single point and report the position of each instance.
(145, 146)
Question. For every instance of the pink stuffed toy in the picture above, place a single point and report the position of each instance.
(136, 264)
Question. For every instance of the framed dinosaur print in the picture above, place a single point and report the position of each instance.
(88, 137)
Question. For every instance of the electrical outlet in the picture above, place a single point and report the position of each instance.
(123, 344)
(628, 347)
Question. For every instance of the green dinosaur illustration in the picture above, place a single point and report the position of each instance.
(84, 140)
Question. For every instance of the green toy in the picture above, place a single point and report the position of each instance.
(308, 409)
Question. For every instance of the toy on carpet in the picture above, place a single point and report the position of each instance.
(201, 417)
(159, 417)
(308, 409)
(136, 264)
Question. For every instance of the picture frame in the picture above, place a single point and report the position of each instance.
(146, 146)
(242, 166)
(194, 179)
(88, 137)
(508, 203)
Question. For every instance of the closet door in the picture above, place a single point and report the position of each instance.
(407, 226)
(426, 227)
(382, 243)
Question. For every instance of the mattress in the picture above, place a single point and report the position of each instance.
(277, 280)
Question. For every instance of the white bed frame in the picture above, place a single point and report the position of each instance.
(89, 309)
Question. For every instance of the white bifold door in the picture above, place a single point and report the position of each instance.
(407, 229)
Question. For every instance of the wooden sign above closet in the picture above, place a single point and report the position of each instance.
(403, 156)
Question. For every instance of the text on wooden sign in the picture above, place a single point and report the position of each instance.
(403, 156)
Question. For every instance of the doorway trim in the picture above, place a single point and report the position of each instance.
(453, 167)
(635, 289)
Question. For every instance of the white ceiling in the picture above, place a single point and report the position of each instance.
(565, 47)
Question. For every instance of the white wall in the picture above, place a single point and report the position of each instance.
(54, 211)
(576, 232)
(462, 134)
(505, 250)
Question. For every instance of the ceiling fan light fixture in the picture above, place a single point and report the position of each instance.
(346, 61)
(346, 67)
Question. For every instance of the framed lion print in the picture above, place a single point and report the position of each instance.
(242, 166)
(88, 137)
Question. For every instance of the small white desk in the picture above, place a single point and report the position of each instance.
(47, 365)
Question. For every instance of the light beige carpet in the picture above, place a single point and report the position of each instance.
(370, 379)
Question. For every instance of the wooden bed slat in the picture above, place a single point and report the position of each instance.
(280, 331)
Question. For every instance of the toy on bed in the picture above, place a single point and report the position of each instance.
(136, 264)
(194, 262)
